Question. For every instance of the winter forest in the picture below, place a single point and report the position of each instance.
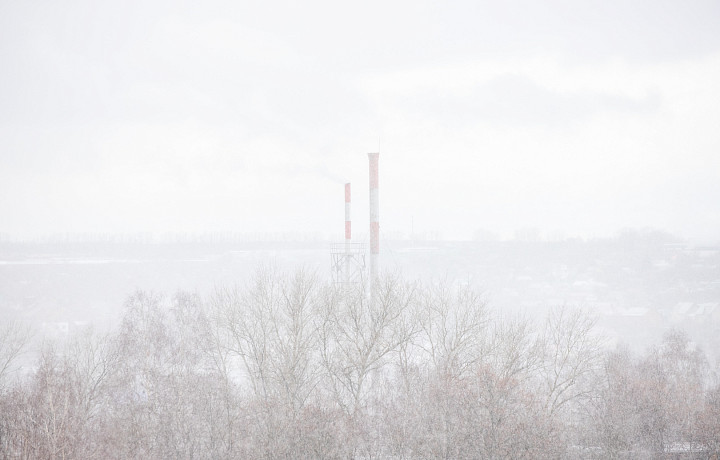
(408, 229)
(290, 366)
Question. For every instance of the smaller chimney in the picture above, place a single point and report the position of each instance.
(374, 216)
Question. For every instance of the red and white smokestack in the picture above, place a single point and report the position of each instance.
(374, 216)
(348, 226)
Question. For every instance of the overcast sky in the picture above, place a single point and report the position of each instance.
(575, 118)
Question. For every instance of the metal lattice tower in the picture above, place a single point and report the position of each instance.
(348, 259)
(347, 263)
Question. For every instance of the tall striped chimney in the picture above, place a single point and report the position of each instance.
(348, 232)
(374, 216)
(348, 226)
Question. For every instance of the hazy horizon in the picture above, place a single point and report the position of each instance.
(526, 234)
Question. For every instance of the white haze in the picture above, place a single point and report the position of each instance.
(572, 118)
(172, 177)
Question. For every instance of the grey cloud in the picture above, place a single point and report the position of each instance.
(517, 100)
(151, 61)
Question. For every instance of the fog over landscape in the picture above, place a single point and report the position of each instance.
(580, 119)
(178, 280)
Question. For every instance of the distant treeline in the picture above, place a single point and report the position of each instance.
(166, 237)
(627, 236)
(292, 367)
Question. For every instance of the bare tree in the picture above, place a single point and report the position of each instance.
(654, 404)
(686, 368)
(57, 412)
(359, 333)
(452, 324)
(432, 407)
(613, 419)
(571, 357)
(272, 327)
(514, 424)
(168, 395)
(14, 338)
(709, 423)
